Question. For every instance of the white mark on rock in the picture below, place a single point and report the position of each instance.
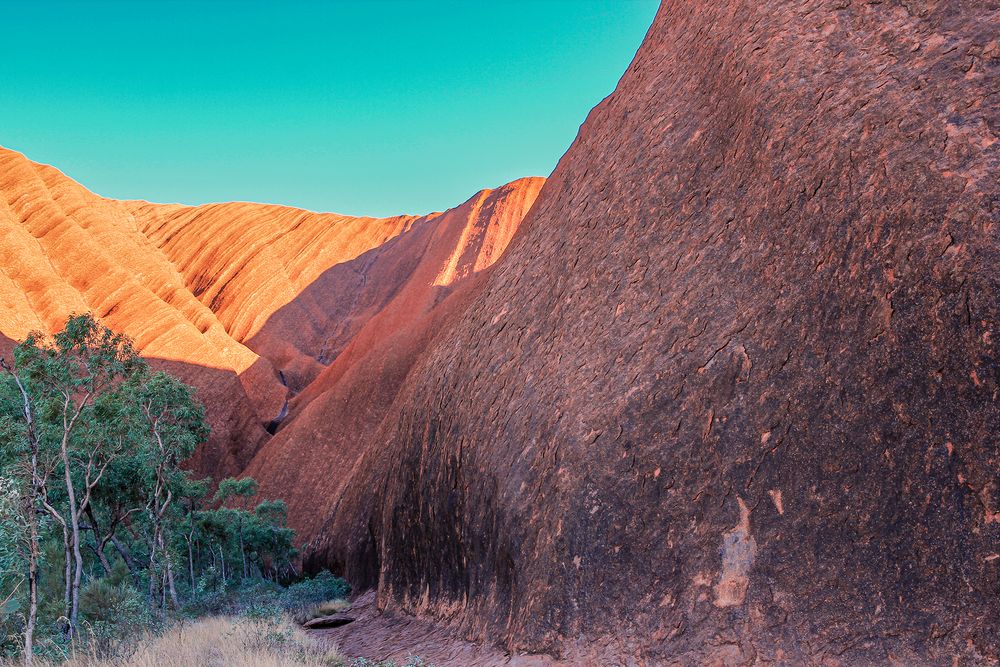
(776, 499)
(738, 552)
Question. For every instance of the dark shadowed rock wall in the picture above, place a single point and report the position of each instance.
(732, 393)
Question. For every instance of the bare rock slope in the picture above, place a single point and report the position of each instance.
(420, 282)
(731, 395)
(248, 302)
(65, 250)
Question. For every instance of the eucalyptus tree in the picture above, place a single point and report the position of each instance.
(230, 488)
(18, 545)
(173, 425)
(192, 492)
(28, 466)
(115, 498)
(66, 384)
(270, 538)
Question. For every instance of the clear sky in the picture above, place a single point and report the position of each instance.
(373, 108)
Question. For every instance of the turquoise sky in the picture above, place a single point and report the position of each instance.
(369, 108)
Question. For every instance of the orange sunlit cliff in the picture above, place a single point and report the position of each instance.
(248, 302)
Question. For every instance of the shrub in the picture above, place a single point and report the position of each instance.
(321, 588)
(263, 599)
(113, 616)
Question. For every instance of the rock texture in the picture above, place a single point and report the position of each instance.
(431, 272)
(731, 396)
(386, 636)
(65, 250)
(331, 621)
(247, 262)
(248, 302)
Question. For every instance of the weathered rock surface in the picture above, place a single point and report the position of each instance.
(731, 395)
(65, 250)
(248, 302)
(334, 421)
(247, 262)
(388, 636)
(331, 621)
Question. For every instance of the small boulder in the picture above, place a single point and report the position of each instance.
(332, 621)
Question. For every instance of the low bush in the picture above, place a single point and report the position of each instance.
(309, 593)
(114, 616)
(311, 598)
(261, 598)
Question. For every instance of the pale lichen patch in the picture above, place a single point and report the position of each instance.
(776, 499)
(738, 551)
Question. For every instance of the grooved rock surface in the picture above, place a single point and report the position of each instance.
(731, 395)
(248, 302)
(380, 636)
(431, 271)
(65, 250)
(247, 262)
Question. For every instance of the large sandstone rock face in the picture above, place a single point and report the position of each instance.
(65, 250)
(248, 302)
(334, 422)
(731, 395)
(248, 262)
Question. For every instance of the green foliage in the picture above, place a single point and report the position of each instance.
(232, 487)
(260, 598)
(325, 586)
(172, 411)
(12, 542)
(13, 534)
(92, 444)
(232, 598)
(114, 614)
(83, 359)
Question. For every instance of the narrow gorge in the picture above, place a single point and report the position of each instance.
(723, 389)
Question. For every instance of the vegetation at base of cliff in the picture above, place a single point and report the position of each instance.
(106, 542)
(216, 641)
(224, 642)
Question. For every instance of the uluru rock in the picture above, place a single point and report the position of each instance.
(731, 395)
(421, 282)
(247, 262)
(248, 302)
(64, 250)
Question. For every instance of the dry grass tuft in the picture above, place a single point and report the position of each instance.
(223, 642)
